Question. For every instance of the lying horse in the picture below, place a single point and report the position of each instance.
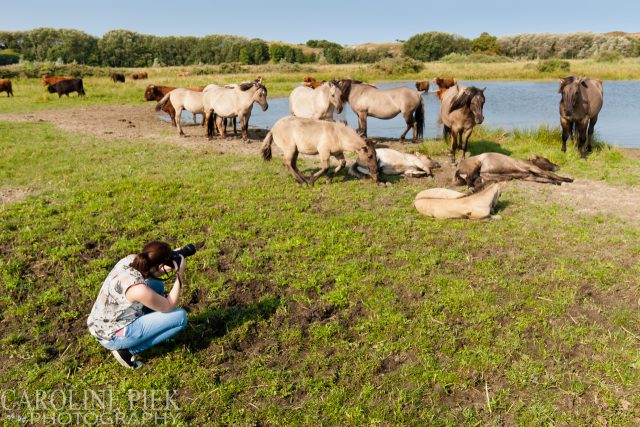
(182, 99)
(295, 135)
(447, 204)
(316, 103)
(460, 111)
(367, 100)
(392, 162)
(232, 101)
(579, 108)
(478, 171)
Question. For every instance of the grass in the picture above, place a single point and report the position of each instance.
(281, 79)
(335, 305)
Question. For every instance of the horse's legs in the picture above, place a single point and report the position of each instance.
(566, 132)
(411, 123)
(290, 163)
(178, 113)
(582, 138)
(362, 123)
(341, 163)
(194, 118)
(465, 138)
(235, 121)
(244, 125)
(324, 167)
(592, 125)
(454, 145)
(221, 129)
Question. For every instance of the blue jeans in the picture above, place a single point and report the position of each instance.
(150, 329)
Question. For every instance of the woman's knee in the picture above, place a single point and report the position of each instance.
(181, 317)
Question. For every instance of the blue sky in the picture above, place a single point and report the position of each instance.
(345, 22)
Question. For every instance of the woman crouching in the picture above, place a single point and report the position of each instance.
(131, 313)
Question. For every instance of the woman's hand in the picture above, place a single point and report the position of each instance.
(180, 269)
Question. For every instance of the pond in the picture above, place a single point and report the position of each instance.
(509, 105)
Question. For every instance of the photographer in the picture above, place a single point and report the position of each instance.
(131, 312)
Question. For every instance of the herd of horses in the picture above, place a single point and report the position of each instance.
(311, 128)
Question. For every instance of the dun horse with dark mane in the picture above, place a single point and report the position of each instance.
(460, 111)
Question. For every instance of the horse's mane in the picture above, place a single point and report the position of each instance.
(565, 81)
(345, 87)
(464, 99)
(246, 86)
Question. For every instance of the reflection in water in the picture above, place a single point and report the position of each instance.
(509, 105)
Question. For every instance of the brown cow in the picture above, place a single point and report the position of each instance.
(51, 80)
(309, 81)
(139, 76)
(117, 77)
(443, 84)
(156, 93)
(5, 86)
(422, 86)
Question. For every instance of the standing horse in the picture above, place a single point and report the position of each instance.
(182, 99)
(367, 100)
(579, 108)
(221, 102)
(295, 135)
(460, 111)
(316, 103)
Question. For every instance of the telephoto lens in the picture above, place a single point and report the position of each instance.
(185, 251)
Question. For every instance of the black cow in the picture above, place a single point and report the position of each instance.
(65, 87)
(117, 77)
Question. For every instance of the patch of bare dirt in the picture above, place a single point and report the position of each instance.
(12, 195)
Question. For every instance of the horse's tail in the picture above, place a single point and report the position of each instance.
(211, 122)
(446, 132)
(163, 101)
(266, 146)
(419, 117)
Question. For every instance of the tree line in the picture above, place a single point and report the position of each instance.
(123, 48)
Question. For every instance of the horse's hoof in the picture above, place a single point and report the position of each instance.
(246, 141)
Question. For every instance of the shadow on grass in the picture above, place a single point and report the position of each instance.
(484, 146)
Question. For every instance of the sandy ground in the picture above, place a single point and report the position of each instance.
(135, 122)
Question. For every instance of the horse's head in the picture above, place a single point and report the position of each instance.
(260, 96)
(335, 96)
(149, 93)
(367, 156)
(472, 98)
(570, 90)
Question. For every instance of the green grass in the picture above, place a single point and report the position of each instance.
(334, 305)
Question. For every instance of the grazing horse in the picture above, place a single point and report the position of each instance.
(316, 103)
(392, 162)
(5, 86)
(443, 203)
(183, 99)
(460, 111)
(295, 135)
(478, 171)
(579, 108)
(232, 101)
(367, 100)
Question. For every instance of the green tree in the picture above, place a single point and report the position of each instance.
(485, 43)
(434, 45)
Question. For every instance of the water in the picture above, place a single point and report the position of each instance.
(509, 105)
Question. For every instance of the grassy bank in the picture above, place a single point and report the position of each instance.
(281, 79)
(336, 305)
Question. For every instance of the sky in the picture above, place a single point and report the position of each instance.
(345, 22)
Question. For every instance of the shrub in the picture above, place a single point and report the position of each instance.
(607, 56)
(553, 65)
(434, 45)
(8, 57)
(456, 58)
(404, 65)
(232, 68)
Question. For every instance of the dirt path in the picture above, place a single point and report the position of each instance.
(136, 122)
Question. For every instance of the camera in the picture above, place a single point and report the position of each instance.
(185, 251)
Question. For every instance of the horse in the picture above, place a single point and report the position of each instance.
(478, 171)
(367, 100)
(295, 135)
(183, 99)
(447, 204)
(316, 103)
(392, 162)
(580, 105)
(460, 111)
(232, 101)
(156, 93)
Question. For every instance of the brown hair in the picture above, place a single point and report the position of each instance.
(153, 254)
